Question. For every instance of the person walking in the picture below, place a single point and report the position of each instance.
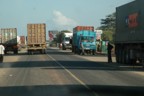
(2, 48)
(109, 48)
(82, 47)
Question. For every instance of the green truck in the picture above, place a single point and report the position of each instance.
(129, 36)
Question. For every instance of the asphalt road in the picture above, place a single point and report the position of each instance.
(62, 73)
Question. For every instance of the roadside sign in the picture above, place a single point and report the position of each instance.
(98, 31)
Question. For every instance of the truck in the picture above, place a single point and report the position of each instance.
(8, 37)
(129, 36)
(87, 38)
(36, 38)
(66, 41)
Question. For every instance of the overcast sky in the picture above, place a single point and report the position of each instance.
(57, 14)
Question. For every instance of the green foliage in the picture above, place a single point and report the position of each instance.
(108, 26)
(107, 36)
(109, 22)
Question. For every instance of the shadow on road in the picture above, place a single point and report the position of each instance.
(71, 90)
(81, 65)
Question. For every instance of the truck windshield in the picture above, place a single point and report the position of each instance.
(87, 39)
(67, 39)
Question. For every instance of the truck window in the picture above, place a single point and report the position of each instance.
(87, 39)
(67, 38)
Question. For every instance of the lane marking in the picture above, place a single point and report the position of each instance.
(71, 74)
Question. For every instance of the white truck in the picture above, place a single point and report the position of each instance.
(66, 41)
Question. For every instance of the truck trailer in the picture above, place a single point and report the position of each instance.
(36, 38)
(8, 37)
(129, 36)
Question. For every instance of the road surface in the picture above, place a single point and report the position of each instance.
(62, 73)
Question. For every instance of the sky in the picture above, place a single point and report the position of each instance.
(56, 14)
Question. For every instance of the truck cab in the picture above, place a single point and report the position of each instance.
(66, 41)
(84, 40)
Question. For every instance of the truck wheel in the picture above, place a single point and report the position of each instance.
(93, 52)
(79, 52)
(117, 56)
(127, 57)
(5, 52)
(120, 55)
(75, 50)
(32, 52)
(28, 52)
(62, 47)
(15, 51)
(123, 56)
(43, 51)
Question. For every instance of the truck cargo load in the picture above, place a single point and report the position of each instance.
(129, 36)
(80, 28)
(8, 37)
(36, 38)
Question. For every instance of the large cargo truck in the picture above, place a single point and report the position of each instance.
(129, 36)
(36, 38)
(8, 37)
(86, 38)
(66, 41)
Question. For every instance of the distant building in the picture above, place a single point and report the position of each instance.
(98, 34)
(52, 34)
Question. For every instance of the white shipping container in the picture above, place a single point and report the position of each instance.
(8, 35)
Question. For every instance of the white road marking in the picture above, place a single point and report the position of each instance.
(76, 78)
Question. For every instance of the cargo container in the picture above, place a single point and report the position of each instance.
(36, 38)
(129, 36)
(80, 28)
(86, 38)
(8, 37)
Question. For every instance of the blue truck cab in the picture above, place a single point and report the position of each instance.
(84, 40)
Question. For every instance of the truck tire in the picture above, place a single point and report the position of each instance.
(63, 47)
(43, 51)
(15, 51)
(118, 55)
(123, 57)
(79, 51)
(75, 50)
(5, 52)
(127, 57)
(93, 52)
(32, 52)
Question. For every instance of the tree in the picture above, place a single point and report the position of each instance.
(109, 22)
(108, 26)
